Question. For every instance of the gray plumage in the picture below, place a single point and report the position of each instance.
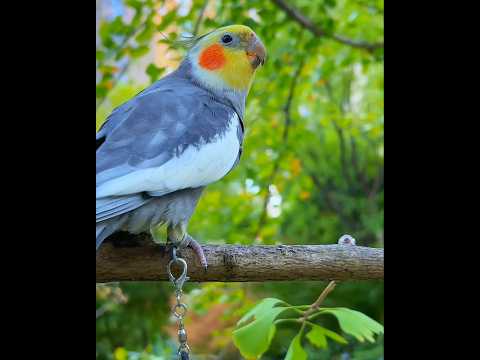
(149, 147)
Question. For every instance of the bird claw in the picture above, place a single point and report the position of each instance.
(190, 242)
(198, 251)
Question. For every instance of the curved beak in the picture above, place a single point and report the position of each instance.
(256, 52)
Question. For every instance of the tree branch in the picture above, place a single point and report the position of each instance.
(196, 27)
(314, 307)
(141, 260)
(288, 121)
(308, 24)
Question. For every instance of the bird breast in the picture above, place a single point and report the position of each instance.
(212, 160)
(198, 165)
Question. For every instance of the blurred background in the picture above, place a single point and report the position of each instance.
(312, 167)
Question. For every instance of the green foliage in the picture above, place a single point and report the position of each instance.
(295, 351)
(318, 337)
(254, 338)
(317, 170)
(121, 41)
(355, 323)
(154, 72)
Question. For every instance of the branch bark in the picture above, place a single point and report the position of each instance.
(141, 260)
(308, 24)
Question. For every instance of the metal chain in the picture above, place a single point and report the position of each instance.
(180, 309)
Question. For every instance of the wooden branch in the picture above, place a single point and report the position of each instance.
(141, 260)
(308, 24)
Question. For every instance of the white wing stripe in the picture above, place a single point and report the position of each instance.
(194, 168)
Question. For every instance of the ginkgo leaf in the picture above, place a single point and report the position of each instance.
(355, 323)
(296, 351)
(318, 336)
(261, 308)
(254, 338)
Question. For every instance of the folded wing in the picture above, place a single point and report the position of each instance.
(171, 137)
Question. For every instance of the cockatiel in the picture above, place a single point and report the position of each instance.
(157, 152)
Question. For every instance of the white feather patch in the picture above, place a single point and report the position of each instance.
(195, 167)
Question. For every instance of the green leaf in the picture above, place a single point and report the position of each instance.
(355, 323)
(136, 4)
(146, 34)
(105, 35)
(167, 20)
(101, 91)
(318, 337)
(100, 55)
(261, 308)
(154, 72)
(295, 351)
(139, 51)
(117, 26)
(254, 338)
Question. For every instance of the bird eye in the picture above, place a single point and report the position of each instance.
(226, 39)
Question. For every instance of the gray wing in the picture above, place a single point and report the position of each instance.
(145, 133)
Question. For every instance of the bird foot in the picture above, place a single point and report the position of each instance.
(190, 242)
(198, 251)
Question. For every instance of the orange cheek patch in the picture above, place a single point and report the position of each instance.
(212, 58)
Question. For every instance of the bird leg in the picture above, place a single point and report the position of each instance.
(178, 236)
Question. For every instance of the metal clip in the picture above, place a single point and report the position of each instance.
(180, 309)
(183, 355)
(182, 278)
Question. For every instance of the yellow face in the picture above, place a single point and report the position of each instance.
(231, 54)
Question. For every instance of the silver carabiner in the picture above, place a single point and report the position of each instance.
(180, 309)
(182, 278)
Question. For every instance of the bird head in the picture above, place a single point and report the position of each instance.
(227, 58)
